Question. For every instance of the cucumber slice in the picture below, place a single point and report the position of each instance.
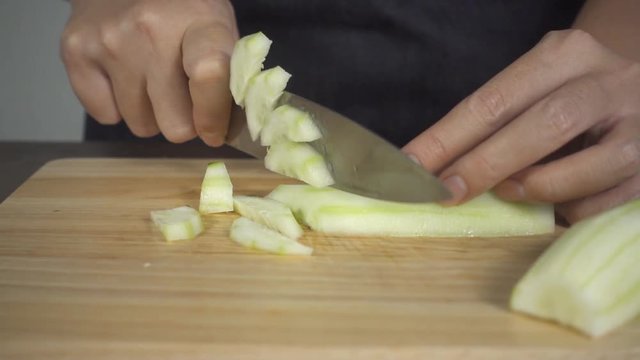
(268, 212)
(253, 235)
(247, 60)
(589, 278)
(336, 212)
(300, 161)
(181, 223)
(260, 99)
(216, 194)
(287, 122)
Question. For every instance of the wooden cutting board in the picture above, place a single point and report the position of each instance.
(84, 275)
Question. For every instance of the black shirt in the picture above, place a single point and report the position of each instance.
(394, 66)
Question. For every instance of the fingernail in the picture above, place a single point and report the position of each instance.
(510, 190)
(414, 159)
(457, 187)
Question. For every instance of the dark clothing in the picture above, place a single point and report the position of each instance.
(396, 66)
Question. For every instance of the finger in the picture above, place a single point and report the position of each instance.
(133, 102)
(587, 172)
(88, 81)
(206, 54)
(539, 131)
(169, 95)
(577, 210)
(559, 57)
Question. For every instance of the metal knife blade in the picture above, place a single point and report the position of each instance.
(360, 161)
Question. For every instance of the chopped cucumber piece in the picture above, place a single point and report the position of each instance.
(253, 235)
(287, 122)
(268, 212)
(298, 160)
(181, 223)
(589, 278)
(247, 60)
(337, 212)
(262, 93)
(216, 194)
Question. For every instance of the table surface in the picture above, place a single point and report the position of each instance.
(19, 160)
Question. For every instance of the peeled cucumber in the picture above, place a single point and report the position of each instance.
(181, 223)
(336, 212)
(290, 123)
(263, 91)
(216, 193)
(589, 278)
(298, 160)
(247, 60)
(253, 235)
(268, 212)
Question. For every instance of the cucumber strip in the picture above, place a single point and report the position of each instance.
(268, 212)
(336, 212)
(290, 123)
(589, 278)
(262, 93)
(181, 223)
(247, 60)
(300, 161)
(253, 235)
(216, 194)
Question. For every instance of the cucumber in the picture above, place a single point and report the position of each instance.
(589, 278)
(247, 60)
(336, 212)
(181, 223)
(300, 161)
(253, 235)
(216, 194)
(290, 123)
(268, 212)
(263, 92)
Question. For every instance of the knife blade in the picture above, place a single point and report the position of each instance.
(360, 161)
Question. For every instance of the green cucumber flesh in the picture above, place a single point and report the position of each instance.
(263, 92)
(181, 223)
(336, 212)
(257, 236)
(216, 193)
(247, 61)
(589, 278)
(300, 161)
(268, 212)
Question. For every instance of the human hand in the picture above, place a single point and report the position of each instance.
(515, 133)
(161, 65)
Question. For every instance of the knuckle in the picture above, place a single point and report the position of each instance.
(569, 39)
(488, 106)
(110, 39)
(72, 46)
(486, 168)
(630, 156)
(433, 148)
(209, 69)
(560, 117)
(543, 189)
(146, 19)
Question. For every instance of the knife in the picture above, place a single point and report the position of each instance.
(360, 161)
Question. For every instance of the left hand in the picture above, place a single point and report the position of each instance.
(513, 133)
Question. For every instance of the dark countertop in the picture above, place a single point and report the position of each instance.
(19, 160)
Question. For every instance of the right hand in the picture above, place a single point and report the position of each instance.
(161, 65)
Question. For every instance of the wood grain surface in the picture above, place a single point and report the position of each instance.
(85, 275)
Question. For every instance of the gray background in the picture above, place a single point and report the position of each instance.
(36, 101)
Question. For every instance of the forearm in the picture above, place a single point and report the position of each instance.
(614, 23)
